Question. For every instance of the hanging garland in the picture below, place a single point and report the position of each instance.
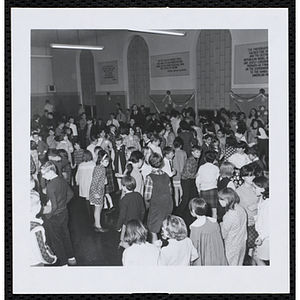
(238, 98)
(171, 102)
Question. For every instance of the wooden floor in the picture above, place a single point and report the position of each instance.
(91, 248)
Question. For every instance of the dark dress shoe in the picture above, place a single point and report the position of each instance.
(100, 229)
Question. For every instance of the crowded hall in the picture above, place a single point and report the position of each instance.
(149, 148)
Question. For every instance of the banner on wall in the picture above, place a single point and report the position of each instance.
(251, 63)
(176, 64)
(108, 72)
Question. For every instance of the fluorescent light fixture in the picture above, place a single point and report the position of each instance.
(41, 56)
(160, 32)
(76, 47)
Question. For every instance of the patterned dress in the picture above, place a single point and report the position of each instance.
(98, 186)
(234, 232)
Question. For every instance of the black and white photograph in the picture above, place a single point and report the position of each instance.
(150, 151)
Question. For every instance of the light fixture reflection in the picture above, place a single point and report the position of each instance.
(76, 47)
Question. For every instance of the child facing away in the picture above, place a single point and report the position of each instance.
(178, 163)
(233, 227)
(206, 236)
(97, 188)
(158, 195)
(139, 252)
(180, 250)
(206, 182)
(168, 168)
(133, 166)
(131, 206)
(84, 177)
(261, 255)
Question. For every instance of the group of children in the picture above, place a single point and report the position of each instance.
(189, 195)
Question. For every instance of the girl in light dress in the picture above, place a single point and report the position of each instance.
(233, 227)
(84, 177)
(261, 254)
(180, 250)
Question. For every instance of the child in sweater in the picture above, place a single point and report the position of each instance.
(206, 182)
(84, 177)
(131, 207)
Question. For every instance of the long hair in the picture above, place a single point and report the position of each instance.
(136, 232)
(231, 196)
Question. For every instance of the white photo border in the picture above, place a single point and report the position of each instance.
(79, 280)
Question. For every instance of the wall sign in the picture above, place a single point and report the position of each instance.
(108, 72)
(251, 64)
(176, 64)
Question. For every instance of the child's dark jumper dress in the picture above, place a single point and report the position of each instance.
(161, 203)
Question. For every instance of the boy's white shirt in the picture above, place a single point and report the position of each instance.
(167, 168)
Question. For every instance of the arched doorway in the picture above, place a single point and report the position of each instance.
(138, 72)
(214, 69)
(87, 75)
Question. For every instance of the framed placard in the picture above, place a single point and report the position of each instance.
(251, 64)
(176, 64)
(108, 72)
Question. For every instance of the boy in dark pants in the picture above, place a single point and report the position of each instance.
(56, 215)
(188, 177)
